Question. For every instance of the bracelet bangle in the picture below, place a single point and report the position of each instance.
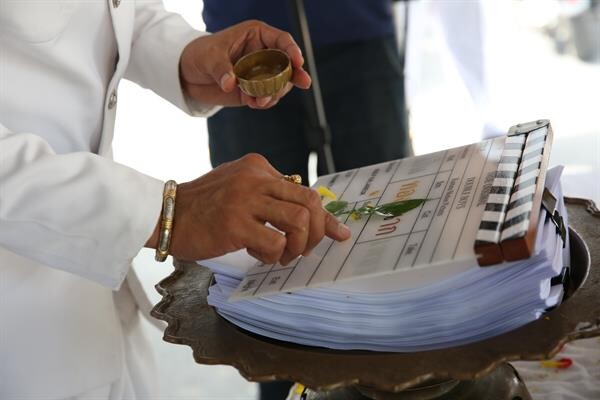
(166, 222)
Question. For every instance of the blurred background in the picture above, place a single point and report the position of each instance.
(517, 61)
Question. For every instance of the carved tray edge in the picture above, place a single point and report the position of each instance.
(590, 206)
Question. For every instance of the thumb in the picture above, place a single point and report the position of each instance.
(222, 73)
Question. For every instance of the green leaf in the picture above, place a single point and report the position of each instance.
(336, 207)
(398, 208)
(394, 209)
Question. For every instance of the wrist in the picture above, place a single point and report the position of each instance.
(187, 63)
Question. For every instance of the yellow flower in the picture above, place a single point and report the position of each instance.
(325, 192)
(298, 388)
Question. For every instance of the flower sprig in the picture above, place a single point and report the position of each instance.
(393, 209)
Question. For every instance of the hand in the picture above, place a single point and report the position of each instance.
(226, 210)
(206, 65)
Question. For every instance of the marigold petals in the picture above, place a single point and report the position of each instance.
(562, 363)
(325, 192)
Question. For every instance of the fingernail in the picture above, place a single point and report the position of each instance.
(226, 76)
(343, 230)
(263, 101)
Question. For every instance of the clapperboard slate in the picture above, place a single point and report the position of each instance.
(482, 208)
(508, 227)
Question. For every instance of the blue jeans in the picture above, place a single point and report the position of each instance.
(362, 84)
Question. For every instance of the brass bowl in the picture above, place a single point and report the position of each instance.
(264, 72)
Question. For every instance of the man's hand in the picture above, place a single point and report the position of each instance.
(226, 210)
(206, 65)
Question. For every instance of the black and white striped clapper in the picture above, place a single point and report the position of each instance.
(508, 225)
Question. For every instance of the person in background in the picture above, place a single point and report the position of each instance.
(362, 83)
(361, 75)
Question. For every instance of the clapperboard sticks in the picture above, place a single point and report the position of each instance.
(508, 227)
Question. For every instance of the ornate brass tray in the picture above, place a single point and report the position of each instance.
(191, 321)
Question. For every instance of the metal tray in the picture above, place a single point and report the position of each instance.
(191, 321)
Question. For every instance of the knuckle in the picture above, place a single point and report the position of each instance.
(312, 198)
(300, 217)
(254, 159)
(240, 177)
(274, 250)
(276, 246)
(288, 37)
(279, 243)
(225, 165)
(254, 23)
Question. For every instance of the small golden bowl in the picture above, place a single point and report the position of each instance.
(264, 72)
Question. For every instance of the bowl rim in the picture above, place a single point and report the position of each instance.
(276, 76)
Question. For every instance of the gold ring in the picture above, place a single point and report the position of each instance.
(297, 179)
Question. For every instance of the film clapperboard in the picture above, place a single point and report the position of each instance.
(508, 227)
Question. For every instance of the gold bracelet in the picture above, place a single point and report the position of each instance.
(166, 222)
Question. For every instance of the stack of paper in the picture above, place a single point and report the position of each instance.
(414, 287)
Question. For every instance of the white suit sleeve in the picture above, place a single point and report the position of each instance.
(77, 212)
(159, 38)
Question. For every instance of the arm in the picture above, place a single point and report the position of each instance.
(159, 38)
(77, 212)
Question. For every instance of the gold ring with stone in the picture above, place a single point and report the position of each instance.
(297, 179)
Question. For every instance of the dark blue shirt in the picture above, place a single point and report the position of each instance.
(330, 21)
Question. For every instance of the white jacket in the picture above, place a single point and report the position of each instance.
(72, 211)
